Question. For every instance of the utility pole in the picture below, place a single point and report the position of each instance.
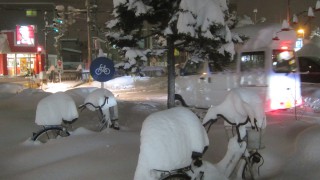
(89, 32)
(255, 11)
(90, 8)
(288, 12)
(46, 67)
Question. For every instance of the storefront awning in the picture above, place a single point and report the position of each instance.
(4, 45)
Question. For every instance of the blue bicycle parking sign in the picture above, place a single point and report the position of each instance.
(102, 69)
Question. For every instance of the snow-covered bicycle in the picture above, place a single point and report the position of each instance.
(241, 159)
(105, 120)
(57, 112)
(244, 119)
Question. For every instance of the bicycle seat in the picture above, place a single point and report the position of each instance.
(69, 122)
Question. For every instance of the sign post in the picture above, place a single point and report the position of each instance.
(60, 67)
(102, 69)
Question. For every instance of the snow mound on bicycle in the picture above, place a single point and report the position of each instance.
(97, 98)
(168, 139)
(54, 108)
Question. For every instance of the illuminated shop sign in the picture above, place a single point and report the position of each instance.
(299, 44)
(25, 35)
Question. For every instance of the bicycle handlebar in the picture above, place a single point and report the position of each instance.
(83, 106)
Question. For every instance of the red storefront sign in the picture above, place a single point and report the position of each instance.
(22, 40)
(25, 35)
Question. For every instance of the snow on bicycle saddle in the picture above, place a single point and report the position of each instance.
(54, 108)
(97, 98)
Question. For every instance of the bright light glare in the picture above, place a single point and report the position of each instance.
(300, 31)
(56, 87)
(285, 55)
(282, 94)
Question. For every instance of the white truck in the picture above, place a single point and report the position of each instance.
(266, 63)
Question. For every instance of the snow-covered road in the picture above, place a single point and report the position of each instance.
(291, 140)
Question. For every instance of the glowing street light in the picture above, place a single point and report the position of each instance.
(301, 32)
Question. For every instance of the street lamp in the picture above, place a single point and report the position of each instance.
(300, 32)
(255, 11)
(310, 14)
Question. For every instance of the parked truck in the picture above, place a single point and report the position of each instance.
(266, 63)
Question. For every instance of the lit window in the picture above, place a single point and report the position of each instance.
(283, 61)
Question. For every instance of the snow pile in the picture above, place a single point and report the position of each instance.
(135, 83)
(54, 108)
(120, 83)
(238, 106)
(168, 139)
(313, 100)
(10, 88)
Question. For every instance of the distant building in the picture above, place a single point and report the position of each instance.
(19, 53)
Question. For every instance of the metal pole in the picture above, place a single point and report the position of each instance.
(89, 32)
(288, 11)
(45, 42)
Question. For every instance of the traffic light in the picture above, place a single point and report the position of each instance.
(57, 24)
(59, 19)
(55, 27)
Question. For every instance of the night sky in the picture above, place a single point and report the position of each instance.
(276, 10)
(272, 10)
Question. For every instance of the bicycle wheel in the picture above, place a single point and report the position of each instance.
(48, 133)
(178, 176)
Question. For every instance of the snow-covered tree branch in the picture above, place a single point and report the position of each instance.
(198, 27)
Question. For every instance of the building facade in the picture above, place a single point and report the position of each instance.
(20, 54)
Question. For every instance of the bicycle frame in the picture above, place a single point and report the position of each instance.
(104, 121)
